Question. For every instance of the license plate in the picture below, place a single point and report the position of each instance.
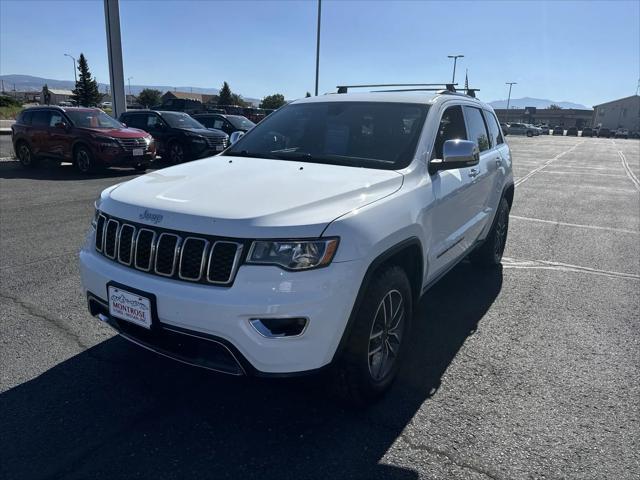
(138, 152)
(129, 306)
(219, 148)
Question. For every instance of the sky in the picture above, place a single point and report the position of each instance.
(582, 51)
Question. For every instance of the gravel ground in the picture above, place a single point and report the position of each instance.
(524, 373)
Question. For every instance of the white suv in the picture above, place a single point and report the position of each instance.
(309, 241)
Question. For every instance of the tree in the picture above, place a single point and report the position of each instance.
(238, 100)
(149, 97)
(307, 95)
(86, 92)
(273, 102)
(553, 106)
(224, 97)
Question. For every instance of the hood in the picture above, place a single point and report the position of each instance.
(206, 132)
(249, 197)
(117, 132)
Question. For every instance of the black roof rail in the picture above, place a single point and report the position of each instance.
(450, 87)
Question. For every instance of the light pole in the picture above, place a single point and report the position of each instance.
(455, 60)
(75, 75)
(511, 84)
(318, 45)
(129, 82)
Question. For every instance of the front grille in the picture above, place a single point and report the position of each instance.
(213, 142)
(178, 255)
(129, 144)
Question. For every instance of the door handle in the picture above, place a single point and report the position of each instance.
(498, 162)
(473, 173)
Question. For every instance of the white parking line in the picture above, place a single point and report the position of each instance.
(563, 267)
(547, 163)
(562, 172)
(629, 172)
(576, 225)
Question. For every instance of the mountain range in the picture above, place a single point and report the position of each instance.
(31, 83)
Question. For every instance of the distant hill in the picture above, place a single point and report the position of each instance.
(535, 102)
(31, 83)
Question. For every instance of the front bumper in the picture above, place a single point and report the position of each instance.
(221, 315)
(125, 159)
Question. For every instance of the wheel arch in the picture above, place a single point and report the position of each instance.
(406, 254)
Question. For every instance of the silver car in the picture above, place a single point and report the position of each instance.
(521, 129)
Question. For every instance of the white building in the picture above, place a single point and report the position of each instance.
(622, 113)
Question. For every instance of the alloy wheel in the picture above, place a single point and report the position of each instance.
(24, 154)
(386, 335)
(177, 153)
(83, 161)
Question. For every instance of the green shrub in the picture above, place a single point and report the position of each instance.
(6, 101)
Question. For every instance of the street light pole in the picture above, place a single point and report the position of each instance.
(75, 75)
(318, 45)
(511, 84)
(455, 60)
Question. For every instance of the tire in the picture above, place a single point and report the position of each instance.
(176, 153)
(489, 254)
(25, 155)
(370, 362)
(529, 134)
(83, 160)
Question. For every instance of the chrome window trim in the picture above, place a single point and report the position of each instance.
(202, 259)
(153, 246)
(234, 266)
(115, 239)
(133, 243)
(175, 254)
(104, 224)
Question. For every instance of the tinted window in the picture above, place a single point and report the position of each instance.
(92, 119)
(240, 122)
(26, 118)
(206, 121)
(180, 120)
(56, 118)
(152, 121)
(41, 118)
(218, 123)
(452, 127)
(494, 129)
(360, 134)
(135, 121)
(477, 128)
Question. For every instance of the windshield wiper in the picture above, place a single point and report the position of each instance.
(247, 153)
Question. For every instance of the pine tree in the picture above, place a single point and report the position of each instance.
(225, 97)
(86, 92)
(308, 95)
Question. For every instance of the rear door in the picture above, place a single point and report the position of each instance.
(40, 132)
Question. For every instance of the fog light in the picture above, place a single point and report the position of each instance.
(279, 327)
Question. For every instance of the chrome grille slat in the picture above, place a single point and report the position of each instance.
(130, 143)
(177, 255)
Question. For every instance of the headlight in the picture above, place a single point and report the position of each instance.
(293, 254)
(107, 142)
(196, 138)
(148, 140)
(96, 212)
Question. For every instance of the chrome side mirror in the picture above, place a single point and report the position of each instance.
(456, 154)
(235, 136)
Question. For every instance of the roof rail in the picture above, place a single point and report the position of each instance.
(450, 87)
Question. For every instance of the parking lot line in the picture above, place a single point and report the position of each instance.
(628, 171)
(564, 172)
(547, 163)
(563, 267)
(576, 225)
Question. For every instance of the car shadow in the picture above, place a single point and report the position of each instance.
(65, 171)
(117, 411)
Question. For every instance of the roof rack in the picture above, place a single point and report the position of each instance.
(428, 87)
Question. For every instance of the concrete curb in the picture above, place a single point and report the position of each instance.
(5, 131)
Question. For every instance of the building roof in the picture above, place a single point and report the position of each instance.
(616, 101)
(58, 91)
(185, 95)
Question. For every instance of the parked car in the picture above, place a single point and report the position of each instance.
(536, 131)
(178, 136)
(558, 130)
(622, 133)
(280, 258)
(105, 105)
(572, 132)
(180, 105)
(544, 129)
(505, 129)
(521, 129)
(227, 123)
(604, 133)
(88, 137)
(587, 132)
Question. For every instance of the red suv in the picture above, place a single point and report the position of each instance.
(88, 137)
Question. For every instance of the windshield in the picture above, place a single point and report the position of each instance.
(181, 120)
(92, 119)
(240, 122)
(360, 134)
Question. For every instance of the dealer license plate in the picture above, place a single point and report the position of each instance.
(219, 148)
(138, 152)
(129, 306)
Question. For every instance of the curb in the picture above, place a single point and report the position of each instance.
(5, 131)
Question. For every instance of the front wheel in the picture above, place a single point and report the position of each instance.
(176, 153)
(377, 340)
(490, 253)
(84, 161)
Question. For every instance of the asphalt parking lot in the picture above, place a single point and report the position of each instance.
(527, 372)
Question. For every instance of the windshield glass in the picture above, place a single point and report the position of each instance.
(360, 134)
(92, 119)
(181, 120)
(240, 122)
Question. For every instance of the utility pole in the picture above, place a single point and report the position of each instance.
(509, 99)
(318, 45)
(455, 60)
(75, 71)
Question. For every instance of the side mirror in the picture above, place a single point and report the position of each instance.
(61, 125)
(457, 154)
(235, 136)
